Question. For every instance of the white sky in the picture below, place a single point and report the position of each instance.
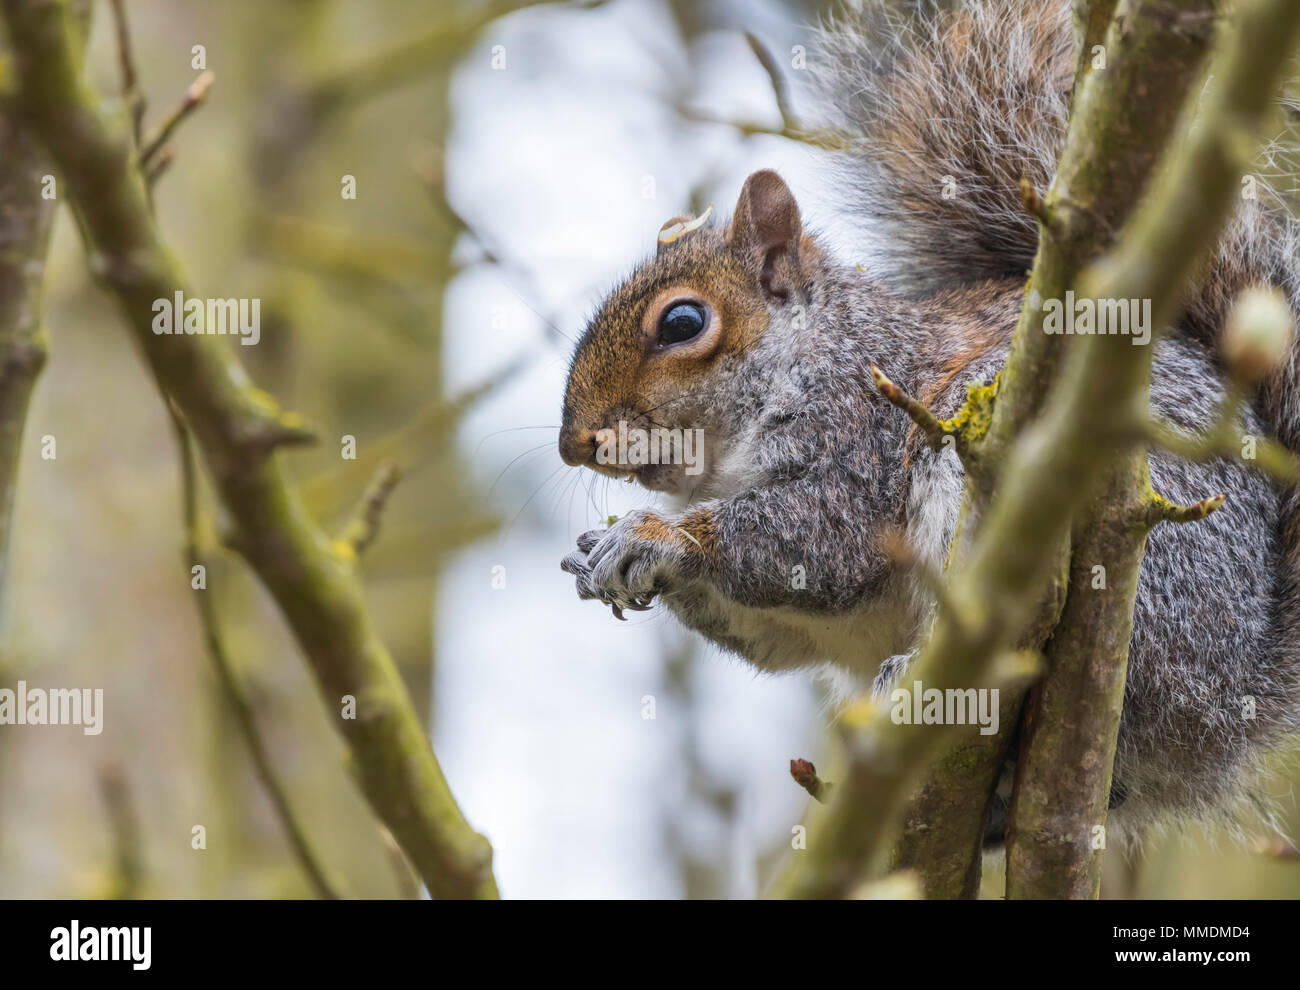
(539, 722)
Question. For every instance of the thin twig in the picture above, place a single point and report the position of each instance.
(229, 680)
(155, 169)
(195, 94)
(779, 88)
(128, 868)
(1225, 439)
(131, 93)
(1033, 202)
(1162, 510)
(805, 775)
(928, 422)
(362, 529)
(322, 600)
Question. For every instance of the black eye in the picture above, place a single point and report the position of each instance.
(681, 322)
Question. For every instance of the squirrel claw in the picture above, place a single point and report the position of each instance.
(635, 605)
(621, 567)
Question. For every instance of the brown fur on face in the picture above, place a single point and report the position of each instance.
(619, 371)
(622, 371)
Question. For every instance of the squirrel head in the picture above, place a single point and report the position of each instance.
(654, 356)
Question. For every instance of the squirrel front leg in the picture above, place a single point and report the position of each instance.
(639, 557)
(804, 544)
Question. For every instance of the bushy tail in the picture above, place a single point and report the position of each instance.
(946, 110)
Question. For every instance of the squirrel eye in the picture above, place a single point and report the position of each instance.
(681, 322)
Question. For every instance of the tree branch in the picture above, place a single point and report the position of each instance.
(1110, 152)
(1122, 119)
(1049, 472)
(234, 694)
(238, 428)
(25, 222)
(26, 217)
(1068, 745)
(943, 830)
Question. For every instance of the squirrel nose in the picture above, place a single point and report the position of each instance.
(577, 447)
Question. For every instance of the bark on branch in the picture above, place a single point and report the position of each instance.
(25, 219)
(1064, 774)
(238, 429)
(1049, 472)
(1110, 153)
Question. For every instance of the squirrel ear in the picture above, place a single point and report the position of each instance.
(765, 232)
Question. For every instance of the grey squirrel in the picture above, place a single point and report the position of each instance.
(753, 334)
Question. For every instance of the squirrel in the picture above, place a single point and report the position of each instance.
(753, 334)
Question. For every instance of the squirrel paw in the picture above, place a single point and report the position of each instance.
(624, 566)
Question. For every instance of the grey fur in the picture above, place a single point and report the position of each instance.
(811, 467)
(930, 107)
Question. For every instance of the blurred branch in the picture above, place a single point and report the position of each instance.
(373, 273)
(388, 259)
(128, 865)
(237, 428)
(805, 775)
(429, 166)
(159, 165)
(790, 128)
(26, 217)
(1091, 22)
(132, 95)
(240, 706)
(395, 64)
(1224, 439)
(773, 69)
(410, 445)
(407, 882)
(363, 527)
(412, 551)
(193, 99)
(25, 222)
